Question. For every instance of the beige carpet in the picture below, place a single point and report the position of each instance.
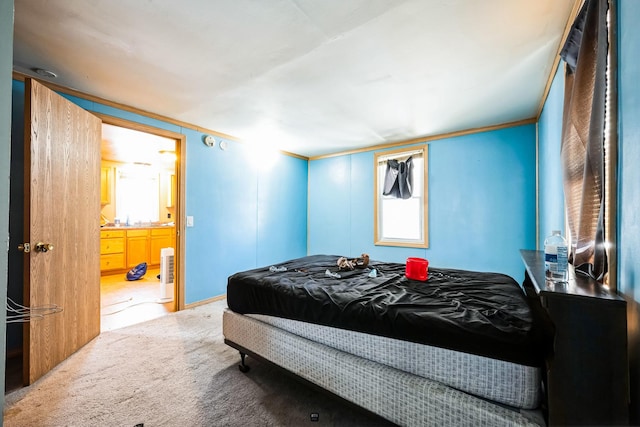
(171, 371)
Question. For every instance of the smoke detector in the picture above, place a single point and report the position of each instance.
(45, 73)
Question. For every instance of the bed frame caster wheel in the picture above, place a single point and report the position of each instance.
(243, 366)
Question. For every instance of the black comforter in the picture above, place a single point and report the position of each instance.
(486, 314)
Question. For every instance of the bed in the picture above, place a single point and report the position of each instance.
(462, 348)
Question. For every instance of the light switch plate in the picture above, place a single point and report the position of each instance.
(189, 221)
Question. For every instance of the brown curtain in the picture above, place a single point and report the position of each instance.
(583, 138)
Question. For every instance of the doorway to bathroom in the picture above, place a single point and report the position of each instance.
(140, 227)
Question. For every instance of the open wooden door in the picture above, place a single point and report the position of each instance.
(62, 214)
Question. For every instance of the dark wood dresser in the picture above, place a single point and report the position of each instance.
(587, 377)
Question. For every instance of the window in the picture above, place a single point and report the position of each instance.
(400, 211)
(137, 194)
(589, 142)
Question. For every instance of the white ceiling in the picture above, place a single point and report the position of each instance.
(306, 76)
(132, 146)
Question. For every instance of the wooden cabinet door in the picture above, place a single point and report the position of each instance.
(157, 243)
(160, 238)
(62, 208)
(137, 250)
(105, 186)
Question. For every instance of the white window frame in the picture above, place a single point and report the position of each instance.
(421, 174)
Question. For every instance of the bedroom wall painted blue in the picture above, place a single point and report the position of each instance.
(628, 186)
(550, 190)
(245, 215)
(629, 155)
(481, 203)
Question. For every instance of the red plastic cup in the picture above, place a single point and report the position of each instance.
(417, 269)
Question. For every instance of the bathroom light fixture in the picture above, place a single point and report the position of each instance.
(168, 155)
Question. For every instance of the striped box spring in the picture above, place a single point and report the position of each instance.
(399, 396)
(496, 380)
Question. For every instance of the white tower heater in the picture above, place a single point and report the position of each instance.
(166, 275)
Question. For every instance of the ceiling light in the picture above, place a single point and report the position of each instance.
(45, 73)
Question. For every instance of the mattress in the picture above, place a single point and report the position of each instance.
(480, 313)
(500, 381)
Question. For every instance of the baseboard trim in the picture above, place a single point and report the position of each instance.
(205, 301)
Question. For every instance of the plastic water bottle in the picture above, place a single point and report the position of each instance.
(555, 257)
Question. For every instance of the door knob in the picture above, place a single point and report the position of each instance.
(43, 247)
